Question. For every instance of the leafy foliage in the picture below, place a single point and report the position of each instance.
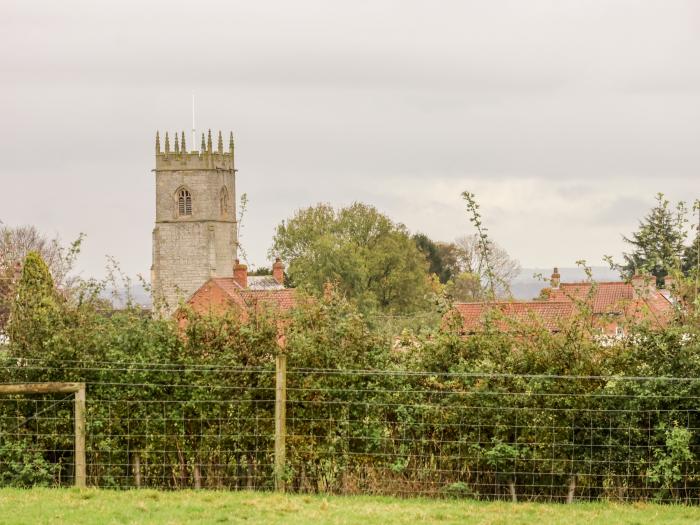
(466, 287)
(436, 414)
(672, 460)
(15, 244)
(35, 313)
(442, 257)
(370, 259)
(262, 270)
(24, 467)
(659, 243)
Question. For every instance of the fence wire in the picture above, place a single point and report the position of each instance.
(515, 437)
(37, 440)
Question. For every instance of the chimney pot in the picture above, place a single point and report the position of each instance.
(556, 278)
(278, 271)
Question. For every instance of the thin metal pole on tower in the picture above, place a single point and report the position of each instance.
(194, 132)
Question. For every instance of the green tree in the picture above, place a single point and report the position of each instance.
(16, 242)
(672, 460)
(8, 278)
(441, 256)
(658, 244)
(372, 260)
(35, 313)
(465, 287)
(691, 256)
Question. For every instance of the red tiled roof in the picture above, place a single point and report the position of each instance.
(548, 314)
(278, 299)
(608, 297)
(228, 285)
(656, 307)
(616, 298)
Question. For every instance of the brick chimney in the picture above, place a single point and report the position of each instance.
(555, 279)
(643, 285)
(278, 271)
(240, 274)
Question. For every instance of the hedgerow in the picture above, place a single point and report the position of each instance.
(191, 404)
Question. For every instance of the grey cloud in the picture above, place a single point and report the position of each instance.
(624, 211)
(330, 100)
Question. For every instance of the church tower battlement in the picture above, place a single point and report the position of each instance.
(195, 234)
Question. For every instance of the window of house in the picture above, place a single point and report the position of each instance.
(184, 202)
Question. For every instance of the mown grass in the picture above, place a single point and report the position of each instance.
(93, 506)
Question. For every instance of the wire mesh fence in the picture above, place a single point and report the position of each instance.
(37, 440)
(516, 437)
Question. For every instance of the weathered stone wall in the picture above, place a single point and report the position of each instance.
(189, 249)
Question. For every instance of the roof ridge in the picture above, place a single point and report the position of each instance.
(530, 301)
(226, 279)
(579, 283)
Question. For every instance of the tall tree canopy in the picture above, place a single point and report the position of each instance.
(691, 257)
(15, 245)
(18, 241)
(371, 259)
(470, 284)
(34, 316)
(442, 257)
(658, 246)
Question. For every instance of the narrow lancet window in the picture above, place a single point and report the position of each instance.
(184, 203)
(223, 201)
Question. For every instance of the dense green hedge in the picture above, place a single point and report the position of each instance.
(527, 414)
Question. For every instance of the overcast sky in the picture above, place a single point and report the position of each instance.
(564, 117)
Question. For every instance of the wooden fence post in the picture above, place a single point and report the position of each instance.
(136, 469)
(80, 473)
(280, 420)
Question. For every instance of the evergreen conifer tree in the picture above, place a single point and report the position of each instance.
(35, 310)
(658, 244)
(691, 257)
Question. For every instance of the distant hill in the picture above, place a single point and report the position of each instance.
(527, 286)
(138, 295)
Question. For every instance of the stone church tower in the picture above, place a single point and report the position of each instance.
(195, 235)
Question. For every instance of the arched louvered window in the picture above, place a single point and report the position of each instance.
(223, 201)
(184, 202)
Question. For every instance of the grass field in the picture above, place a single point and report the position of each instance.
(94, 506)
